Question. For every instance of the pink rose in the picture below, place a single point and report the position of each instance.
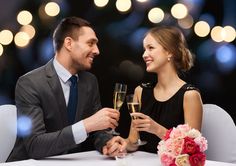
(202, 143)
(174, 146)
(177, 146)
(167, 159)
(197, 159)
(176, 133)
(190, 147)
(184, 127)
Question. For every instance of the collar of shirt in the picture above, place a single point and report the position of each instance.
(63, 74)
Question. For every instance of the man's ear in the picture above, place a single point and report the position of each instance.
(68, 43)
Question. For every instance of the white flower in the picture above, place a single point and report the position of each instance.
(193, 133)
(182, 160)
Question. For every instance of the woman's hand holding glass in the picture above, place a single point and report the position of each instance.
(142, 122)
(134, 106)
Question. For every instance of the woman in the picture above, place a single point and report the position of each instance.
(171, 101)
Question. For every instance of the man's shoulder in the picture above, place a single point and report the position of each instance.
(86, 75)
(35, 74)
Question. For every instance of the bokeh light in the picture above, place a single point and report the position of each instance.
(24, 126)
(1, 50)
(29, 29)
(24, 17)
(228, 33)
(21, 39)
(101, 3)
(45, 50)
(136, 39)
(202, 28)
(123, 5)
(179, 11)
(226, 57)
(6, 37)
(141, 1)
(217, 34)
(156, 15)
(52, 9)
(186, 22)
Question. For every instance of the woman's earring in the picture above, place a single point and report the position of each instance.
(168, 58)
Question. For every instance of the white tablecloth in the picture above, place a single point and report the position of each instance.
(94, 158)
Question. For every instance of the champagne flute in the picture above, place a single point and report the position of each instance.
(118, 99)
(134, 106)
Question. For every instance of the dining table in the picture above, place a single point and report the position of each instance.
(94, 158)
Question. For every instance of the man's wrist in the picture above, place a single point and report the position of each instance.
(79, 132)
(88, 125)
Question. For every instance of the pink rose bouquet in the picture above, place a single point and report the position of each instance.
(182, 146)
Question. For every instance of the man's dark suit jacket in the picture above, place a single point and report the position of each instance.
(39, 96)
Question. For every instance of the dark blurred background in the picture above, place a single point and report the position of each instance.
(209, 27)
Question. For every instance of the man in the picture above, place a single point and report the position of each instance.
(43, 95)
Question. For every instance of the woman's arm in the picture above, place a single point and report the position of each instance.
(132, 140)
(193, 109)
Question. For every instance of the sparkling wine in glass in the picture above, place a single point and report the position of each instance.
(134, 106)
(118, 100)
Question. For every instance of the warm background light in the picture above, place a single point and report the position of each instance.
(21, 39)
(186, 22)
(202, 28)
(101, 3)
(229, 33)
(52, 9)
(156, 15)
(179, 11)
(29, 29)
(142, 1)
(24, 17)
(1, 49)
(123, 5)
(217, 34)
(6, 37)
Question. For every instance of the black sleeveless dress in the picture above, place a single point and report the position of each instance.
(167, 113)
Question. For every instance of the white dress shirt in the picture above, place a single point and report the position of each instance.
(78, 128)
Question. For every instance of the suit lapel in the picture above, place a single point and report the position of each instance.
(57, 91)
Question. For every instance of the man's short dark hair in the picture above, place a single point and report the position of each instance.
(68, 27)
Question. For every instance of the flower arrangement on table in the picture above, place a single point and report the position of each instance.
(182, 146)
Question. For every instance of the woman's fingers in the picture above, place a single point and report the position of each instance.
(138, 115)
(141, 124)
